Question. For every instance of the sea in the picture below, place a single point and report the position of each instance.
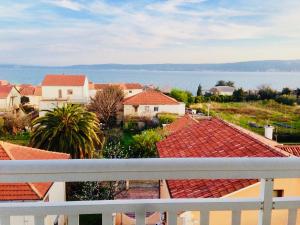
(188, 80)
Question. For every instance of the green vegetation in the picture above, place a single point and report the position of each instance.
(18, 139)
(144, 144)
(182, 96)
(254, 115)
(70, 129)
(166, 118)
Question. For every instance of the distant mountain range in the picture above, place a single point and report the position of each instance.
(250, 66)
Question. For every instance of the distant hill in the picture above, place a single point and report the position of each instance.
(250, 66)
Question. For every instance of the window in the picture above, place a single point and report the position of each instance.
(59, 93)
(130, 92)
(70, 92)
(156, 109)
(278, 193)
(135, 108)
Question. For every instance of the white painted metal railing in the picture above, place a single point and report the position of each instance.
(265, 169)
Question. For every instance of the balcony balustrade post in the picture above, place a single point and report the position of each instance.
(5, 220)
(266, 196)
(39, 220)
(140, 218)
(292, 217)
(172, 218)
(204, 217)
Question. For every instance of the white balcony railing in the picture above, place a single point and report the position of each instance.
(265, 169)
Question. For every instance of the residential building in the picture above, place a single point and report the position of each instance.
(10, 98)
(214, 138)
(149, 103)
(222, 90)
(34, 93)
(32, 192)
(61, 89)
(129, 89)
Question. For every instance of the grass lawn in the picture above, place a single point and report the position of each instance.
(255, 115)
(19, 139)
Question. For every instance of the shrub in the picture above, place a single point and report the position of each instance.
(287, 99)
(266, 92)
(166, 118)
(200, 99)
(144, 144)
(182, 96)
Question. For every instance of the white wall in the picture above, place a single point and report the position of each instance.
(5, 103)
(34, 100)
(142, 111)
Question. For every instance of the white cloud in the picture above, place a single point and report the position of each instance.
(68, 4)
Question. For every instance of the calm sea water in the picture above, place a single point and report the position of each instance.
(188, 80)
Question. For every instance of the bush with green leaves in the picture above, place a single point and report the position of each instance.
(182, 95)
(166, 118)
(287, 99)
(144, 144)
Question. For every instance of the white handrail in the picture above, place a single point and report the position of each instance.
(145, 169)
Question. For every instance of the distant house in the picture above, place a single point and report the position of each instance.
(211, 137)
(34, 93)
(60, 89)
(129, 89)
(32, 192)
(149, 103)
(222, 90)
(10, 97)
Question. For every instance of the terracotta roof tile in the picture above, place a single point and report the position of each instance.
(180, 123)
(5, 90)
(291, 149)
(63, 80)
(25, 191)
(150, 97)
(210, 138)
(29, 90)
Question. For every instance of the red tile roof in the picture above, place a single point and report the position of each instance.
(180, 123)
(25, 191)
(29, 90)
(5, 90)
(63, 80)
(210, 138)
(291, 149)
(150, 97)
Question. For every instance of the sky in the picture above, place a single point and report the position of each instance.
(69, 32)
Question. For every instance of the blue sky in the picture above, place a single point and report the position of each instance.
(67, 32)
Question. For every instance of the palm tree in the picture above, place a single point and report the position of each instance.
(69, 129)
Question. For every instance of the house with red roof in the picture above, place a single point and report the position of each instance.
(151, 102)
(129, 89)
(32, 192)
(58, 89)
(212, 137)
(10, 97)
(34, 93)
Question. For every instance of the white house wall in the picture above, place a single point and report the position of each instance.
(129, 110)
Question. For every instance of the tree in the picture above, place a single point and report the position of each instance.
(230, 83)
(106, 104)
(221, 83)
(297, 92)
(199, 90)
(182, 96)
(266, 92)
(69, 129)
(144, 144)
(24, 100)
(238, 95)
(286, 91)
(225, 83)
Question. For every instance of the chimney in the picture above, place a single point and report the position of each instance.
(269, 132)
